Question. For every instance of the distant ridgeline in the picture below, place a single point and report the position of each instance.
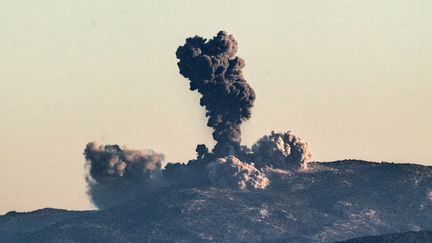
(328, 202)
(411, 237)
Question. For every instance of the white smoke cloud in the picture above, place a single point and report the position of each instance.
(232, 172)
(281, 150)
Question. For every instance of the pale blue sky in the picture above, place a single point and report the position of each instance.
(353, 78)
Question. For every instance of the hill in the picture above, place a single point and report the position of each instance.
(329, 202)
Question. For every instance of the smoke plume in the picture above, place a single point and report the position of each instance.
(281, 150)
(215, 71)
(117, 174)
(231, 172)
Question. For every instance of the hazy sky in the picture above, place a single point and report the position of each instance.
(353, 78)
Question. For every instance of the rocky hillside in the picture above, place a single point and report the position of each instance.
(329, 202)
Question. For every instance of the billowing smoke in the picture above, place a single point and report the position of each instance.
(110, 163)
(117, 174)
(281, 150)
(215, 71)
(231, 172)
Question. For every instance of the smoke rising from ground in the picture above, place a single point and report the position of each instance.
(117, 175)
(215, 71)
(110, 163)
(231, 172)
(281, 150)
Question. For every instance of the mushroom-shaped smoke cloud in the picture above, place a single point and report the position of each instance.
(281, 150)
(212, 67)
(215, 71)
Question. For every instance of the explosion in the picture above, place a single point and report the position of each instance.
(232, 172)
(281, 150)
(213, 69)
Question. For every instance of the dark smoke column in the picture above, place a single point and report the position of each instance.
(215, 71)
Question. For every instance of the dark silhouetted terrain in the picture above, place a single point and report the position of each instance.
(411, 236)
(330, 202)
